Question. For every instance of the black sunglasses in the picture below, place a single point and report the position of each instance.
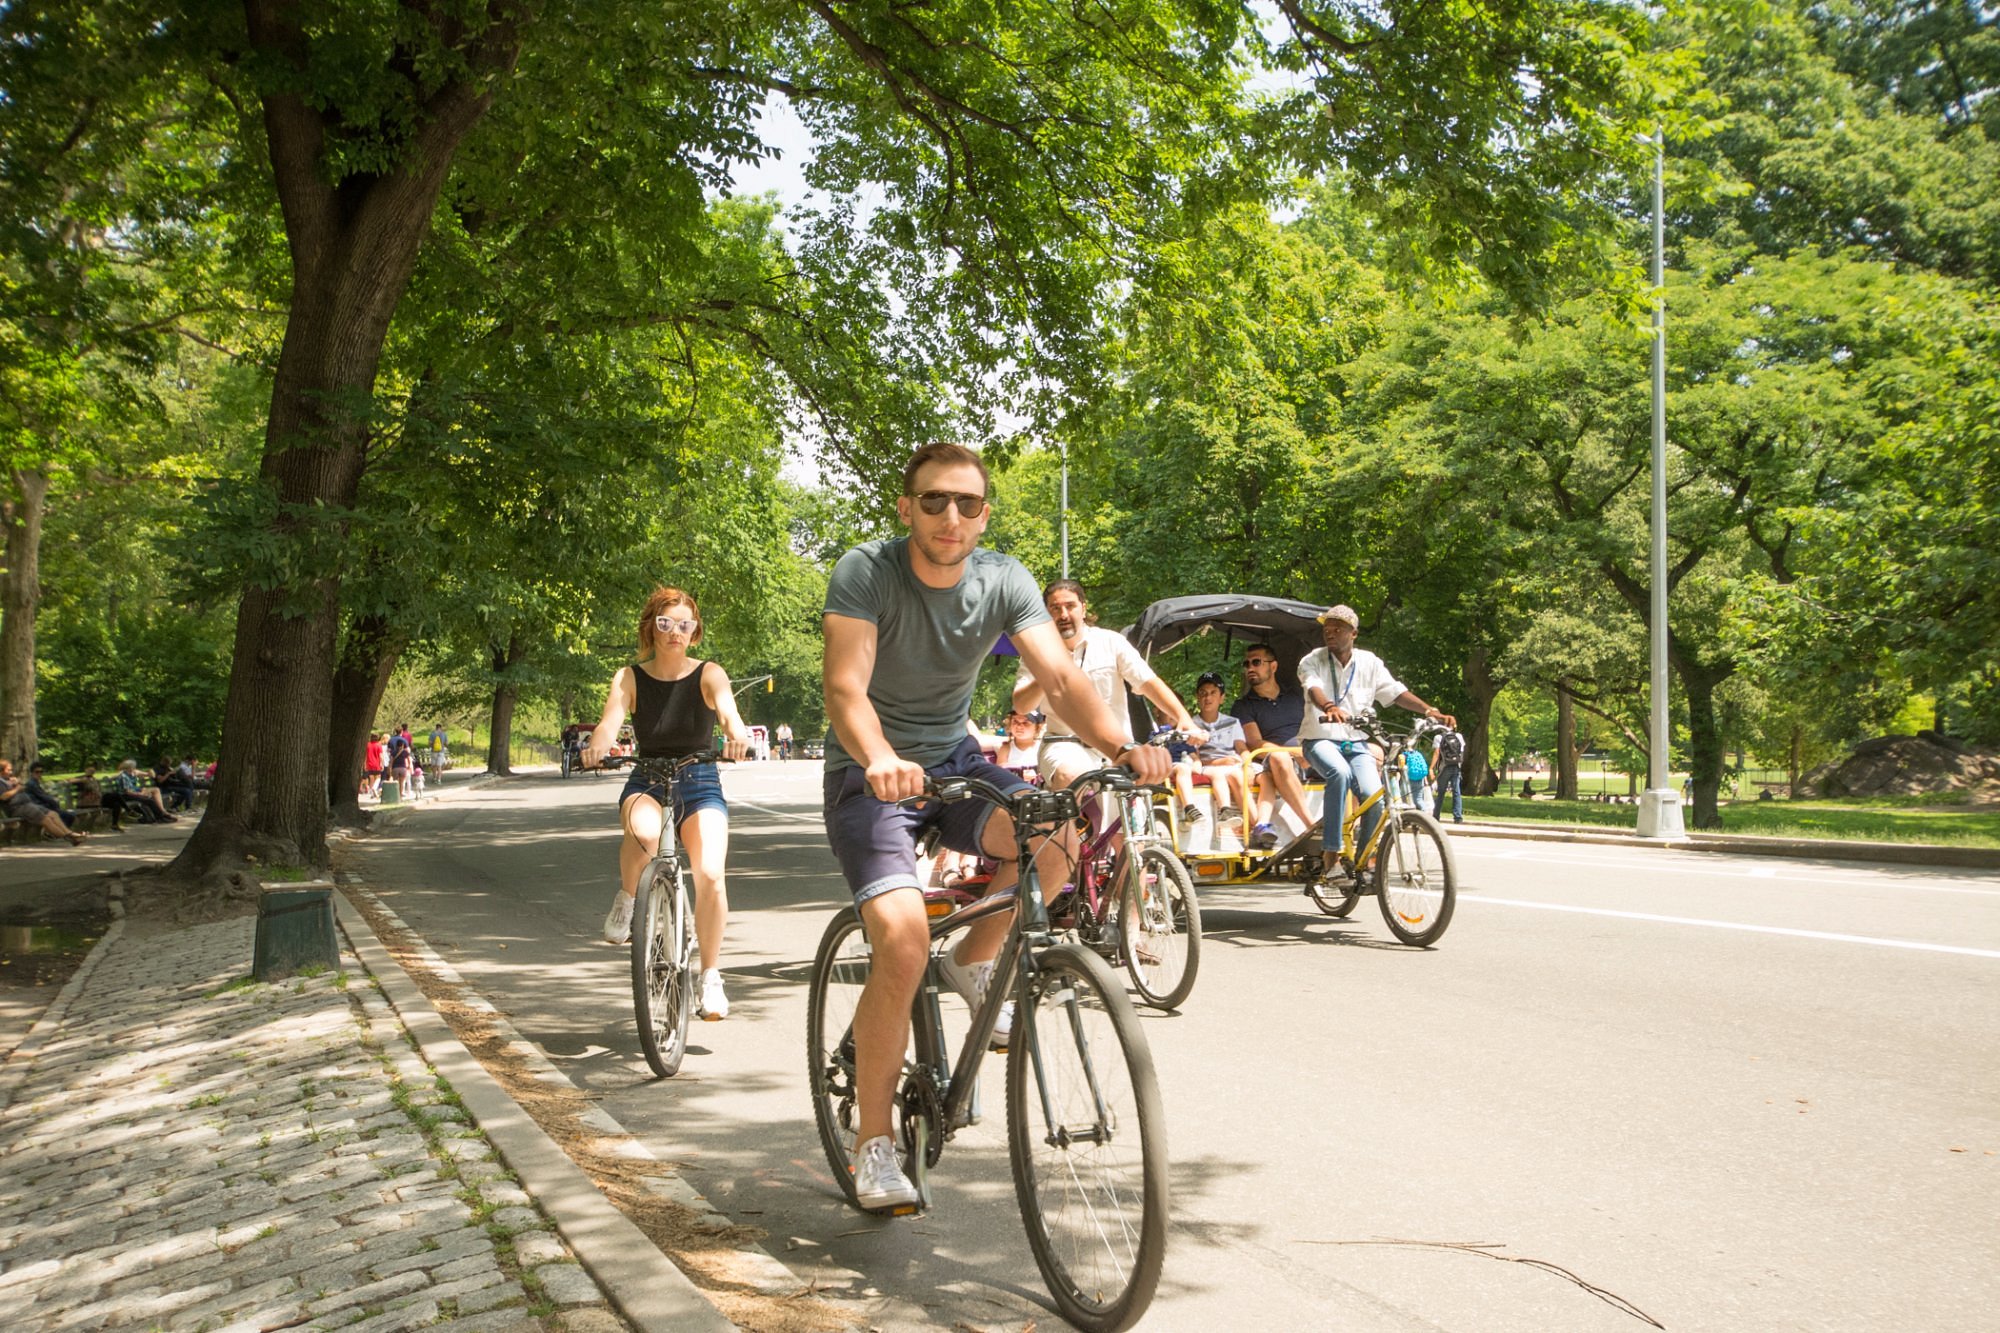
(933, 502)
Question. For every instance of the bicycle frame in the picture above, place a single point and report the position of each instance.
(1392, 757)
(1048, 813)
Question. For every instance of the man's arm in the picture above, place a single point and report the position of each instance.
(1169, 703)
(850, 665)
(1073, 700)
(1408, 699)
(1028, 693)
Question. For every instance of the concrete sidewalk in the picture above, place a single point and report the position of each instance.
(184, 1148)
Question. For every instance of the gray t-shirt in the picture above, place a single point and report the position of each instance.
(929, 642)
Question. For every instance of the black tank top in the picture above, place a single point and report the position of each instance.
(669, 717)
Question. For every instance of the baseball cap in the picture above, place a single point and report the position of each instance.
(1343, 613)
(1209, 678)
(1034, 715)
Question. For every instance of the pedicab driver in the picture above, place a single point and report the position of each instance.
(908, 623)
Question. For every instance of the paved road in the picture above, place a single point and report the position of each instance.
(1723, 1093)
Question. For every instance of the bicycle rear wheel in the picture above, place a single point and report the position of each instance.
(1160, 926)
(1087, 1138)
(661, 995)
(1417, 878)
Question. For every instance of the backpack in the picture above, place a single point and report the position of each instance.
(1451, 750)
(1413, 763)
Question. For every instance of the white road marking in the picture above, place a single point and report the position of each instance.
(1717, 867)
(1740, 925)
(816, 820)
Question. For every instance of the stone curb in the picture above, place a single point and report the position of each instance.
(1831, 849)
(637, 1279)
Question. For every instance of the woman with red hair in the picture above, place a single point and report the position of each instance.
(675, 702)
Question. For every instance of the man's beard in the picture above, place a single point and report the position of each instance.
(943, 559)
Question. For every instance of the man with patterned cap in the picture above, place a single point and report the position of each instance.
(1342, 683)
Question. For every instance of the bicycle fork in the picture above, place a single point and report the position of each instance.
(1056, 1133)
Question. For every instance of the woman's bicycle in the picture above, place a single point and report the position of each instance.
(1086, 1132)
(1412, 871)
(664, 975)
(1132, 903)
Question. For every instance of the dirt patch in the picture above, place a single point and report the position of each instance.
(707, 1253)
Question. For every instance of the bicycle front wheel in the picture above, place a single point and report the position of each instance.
(840, 973)
(1416, 877)
(1161, 926)
(1087, 1137)
(661, 996)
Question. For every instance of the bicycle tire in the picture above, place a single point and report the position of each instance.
(1077, 1048)
(661, 997)
(1336, 898)
(566, 764)
(1417, 878)
(1161, 938)
(840, 971)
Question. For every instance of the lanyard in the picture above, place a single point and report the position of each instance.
(1353, 669)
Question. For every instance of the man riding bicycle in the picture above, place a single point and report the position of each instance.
(1343, 682)
(908, 623)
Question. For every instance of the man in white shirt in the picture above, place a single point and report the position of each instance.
(1342, 682)
(1109, 663)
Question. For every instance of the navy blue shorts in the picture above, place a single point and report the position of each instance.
(699, 787)
(875, 842)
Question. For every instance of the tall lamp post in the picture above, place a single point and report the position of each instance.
(1064, 446)
(1660, 806)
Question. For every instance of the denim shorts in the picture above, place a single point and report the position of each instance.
(699, 787)
(875, 842)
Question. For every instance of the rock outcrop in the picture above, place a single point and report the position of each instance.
(1906, 766)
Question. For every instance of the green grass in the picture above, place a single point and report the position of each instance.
(1868, 819)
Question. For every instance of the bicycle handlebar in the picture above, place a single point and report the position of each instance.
(669, 765)
(1379, 732)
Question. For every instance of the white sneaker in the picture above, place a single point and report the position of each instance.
(618, 921)
(879, 1181)
(714, 1004)
(971, 981)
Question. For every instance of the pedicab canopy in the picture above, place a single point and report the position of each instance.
(1227, 623)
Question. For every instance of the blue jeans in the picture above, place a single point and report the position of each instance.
(1447, 781)
(1343, 765)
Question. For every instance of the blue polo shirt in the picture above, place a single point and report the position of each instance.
(1278, 719)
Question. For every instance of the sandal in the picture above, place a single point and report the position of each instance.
(76, 839)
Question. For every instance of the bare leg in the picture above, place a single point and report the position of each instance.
(1284, 770)
(705, 835)
(900, 937)
(643, 822)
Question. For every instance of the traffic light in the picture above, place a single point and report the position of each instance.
(770, 684)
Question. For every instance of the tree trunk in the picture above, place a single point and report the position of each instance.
(20, 599)
(506, 693)
(1794, 761)
(1565, 742)
(1705, 749)
(1481, 688)
(353, 242)
(369, 657)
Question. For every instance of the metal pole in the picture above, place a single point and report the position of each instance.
(1064, 445)
(1660, 808)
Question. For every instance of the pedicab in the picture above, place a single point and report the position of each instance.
(1407, 864)
(576, 736)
